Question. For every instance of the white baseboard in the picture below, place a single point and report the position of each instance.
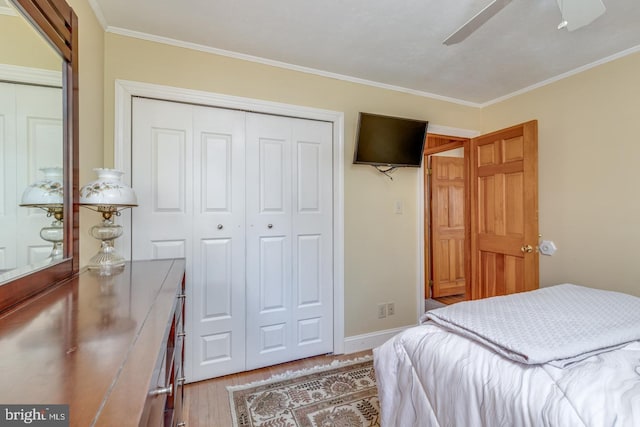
(368, 341)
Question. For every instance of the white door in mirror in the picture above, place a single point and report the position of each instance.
(547, 247)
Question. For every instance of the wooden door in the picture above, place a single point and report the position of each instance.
(505, 211)
(447, 225)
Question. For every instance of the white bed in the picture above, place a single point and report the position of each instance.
(560, 356)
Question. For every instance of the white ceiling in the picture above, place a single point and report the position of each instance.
(391, 43)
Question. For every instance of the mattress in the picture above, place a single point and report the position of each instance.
(431, 376)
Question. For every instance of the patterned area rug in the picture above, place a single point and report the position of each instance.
(342, 394)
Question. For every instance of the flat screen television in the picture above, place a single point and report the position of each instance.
(389, 141)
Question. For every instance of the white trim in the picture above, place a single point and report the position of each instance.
(420, 205)
(449, 131)
(202, 48)
(279, 64)
(125, 90)
(371, 340)
(27, 75)
(562, 76)
(8, 8)
(97, 11)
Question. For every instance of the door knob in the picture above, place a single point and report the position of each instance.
(526, 249)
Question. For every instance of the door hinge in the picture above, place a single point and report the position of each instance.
(429, 171)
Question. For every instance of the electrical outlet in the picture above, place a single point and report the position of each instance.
(391, 308)
(382, 311)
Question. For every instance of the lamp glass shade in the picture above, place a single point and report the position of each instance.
(108, 190)
(46, 192)
(107, 195)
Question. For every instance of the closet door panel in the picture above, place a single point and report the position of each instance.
(189, 177)
(268, 267)
(8, 196)
(38, 133)
(161, 149)
(312, 237)
(289, 201)
(218, 279)
(218, 339)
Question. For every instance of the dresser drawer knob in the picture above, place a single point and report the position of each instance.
(162, 390)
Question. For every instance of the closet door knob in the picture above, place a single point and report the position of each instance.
(220, 226)
(270, 226)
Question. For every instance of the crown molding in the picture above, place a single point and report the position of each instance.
(97, 11)
(562, 76)
(6, 8)
(322, 73)
(279, 64)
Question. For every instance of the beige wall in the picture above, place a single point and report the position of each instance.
(22, 45)
(91, 81)
(589, 154)
(586, 205)
(381, 248)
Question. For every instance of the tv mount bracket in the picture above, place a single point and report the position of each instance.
(386, 172)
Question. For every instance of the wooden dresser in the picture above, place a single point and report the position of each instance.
(111, 347)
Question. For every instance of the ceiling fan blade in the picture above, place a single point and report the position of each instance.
(578, 13)
(476, 22)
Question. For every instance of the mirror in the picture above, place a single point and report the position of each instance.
(31, 137)
(38, 147)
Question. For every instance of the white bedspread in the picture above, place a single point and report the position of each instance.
(560, 325)
(428, 376)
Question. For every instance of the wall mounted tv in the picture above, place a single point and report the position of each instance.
(389, 141)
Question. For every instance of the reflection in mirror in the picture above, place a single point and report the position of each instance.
(31, 147)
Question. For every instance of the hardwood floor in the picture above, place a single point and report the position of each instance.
(451, 299)
(206, 403)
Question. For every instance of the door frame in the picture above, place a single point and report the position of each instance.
(422, 250)
(125, 90)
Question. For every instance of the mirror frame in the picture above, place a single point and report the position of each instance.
(58, 24)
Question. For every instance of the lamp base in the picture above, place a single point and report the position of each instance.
(54, 234)
(106, 259)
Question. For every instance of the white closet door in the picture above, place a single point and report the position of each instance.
(217, 292)
(289, 239)
(188, 173)
(162, 178)
(30, 139)
(40, 129)
(8, 196)
(247, 199)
